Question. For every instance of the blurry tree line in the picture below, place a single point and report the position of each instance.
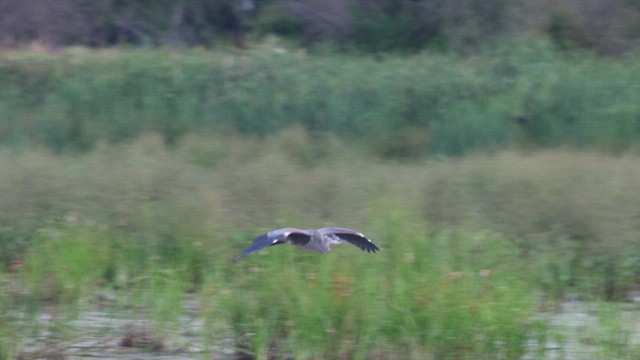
(608, 27)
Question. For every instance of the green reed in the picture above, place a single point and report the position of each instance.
(526, 93)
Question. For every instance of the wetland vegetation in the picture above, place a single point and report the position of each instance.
(497, 186)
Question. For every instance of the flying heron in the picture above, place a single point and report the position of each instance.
(318, 240)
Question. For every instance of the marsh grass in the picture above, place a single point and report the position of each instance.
(9, 328)
(524, 93)
(468, 246)
(421, 296)
(441, 297)
(562, 209)
(63, 264)
(615, 332)
(575, 211)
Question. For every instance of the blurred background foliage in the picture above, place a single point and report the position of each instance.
(608, 27)
(523, 94)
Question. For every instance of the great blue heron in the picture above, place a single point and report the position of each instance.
(316, 240)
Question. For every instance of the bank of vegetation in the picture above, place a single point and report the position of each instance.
(479, 246)
(514, 96)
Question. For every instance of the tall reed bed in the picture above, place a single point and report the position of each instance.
(423, 296)
(400, 106)
(572, 213)
(575, 212)
(471, 247)
(433, 297)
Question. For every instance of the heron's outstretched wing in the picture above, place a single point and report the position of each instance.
(354, 237)
(258, 244)
(275, 237)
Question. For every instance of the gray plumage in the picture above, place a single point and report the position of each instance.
(318, 240)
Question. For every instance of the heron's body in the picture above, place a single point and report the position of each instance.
(318, 240)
